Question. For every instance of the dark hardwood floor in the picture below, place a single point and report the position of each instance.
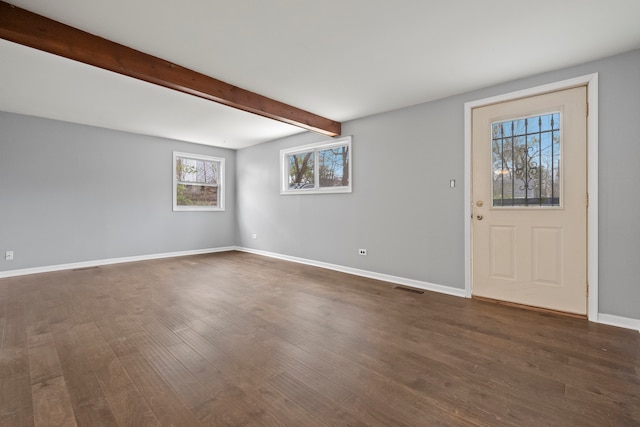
(234, 339)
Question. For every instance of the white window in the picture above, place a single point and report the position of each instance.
(198, 182)
(317, 168)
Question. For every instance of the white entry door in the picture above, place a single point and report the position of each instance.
(529, 195)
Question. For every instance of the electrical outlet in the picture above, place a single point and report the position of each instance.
(254, 236)
(362, 252)
(8, 255)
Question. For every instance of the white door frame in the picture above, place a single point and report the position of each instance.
(591, 80)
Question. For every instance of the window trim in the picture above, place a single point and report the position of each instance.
(315, 148)
(221, 185)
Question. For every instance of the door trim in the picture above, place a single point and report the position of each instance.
(591, 81)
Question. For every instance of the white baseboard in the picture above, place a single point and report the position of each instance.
(607, 319)
(622, 322)
(363, 273)
(96, 263)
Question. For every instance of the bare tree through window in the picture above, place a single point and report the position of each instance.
(197, 182)
(323, 167)
(526, 161)
(334, 167)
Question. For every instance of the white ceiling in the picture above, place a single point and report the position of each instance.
(341, 59)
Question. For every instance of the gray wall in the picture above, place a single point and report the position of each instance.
(72, 193)
(402, 209)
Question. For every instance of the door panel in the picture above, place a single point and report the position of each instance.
(529, 186)
(548, 256)
(503, 250)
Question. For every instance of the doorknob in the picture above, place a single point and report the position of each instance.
(479, 217)
(479, 203)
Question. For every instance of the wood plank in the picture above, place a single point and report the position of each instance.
(370, 414)
(321, 384)
(52, 404)
(258, 341)
(43, 359)
(125, 337)
(125, 401)
(203, 346)
(158, 331)
(232, 407)
(456, 386)
(4, 298)
(408, 406)
(522, 414)
(313, 402)
(172, 321)
(29, 29)
(281, 407)
(172, 371)
(207, 373)
(164, 402)
(248, 378)
(530, 360)
(602, 410)
(89, 403)
(16, 404)
(13, 349)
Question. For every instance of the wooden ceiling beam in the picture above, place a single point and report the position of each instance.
(29, 29)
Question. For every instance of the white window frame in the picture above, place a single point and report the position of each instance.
(315, 148)
(221, 186)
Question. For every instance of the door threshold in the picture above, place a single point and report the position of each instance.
(530, 307)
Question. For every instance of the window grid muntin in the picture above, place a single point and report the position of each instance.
(201, 168)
